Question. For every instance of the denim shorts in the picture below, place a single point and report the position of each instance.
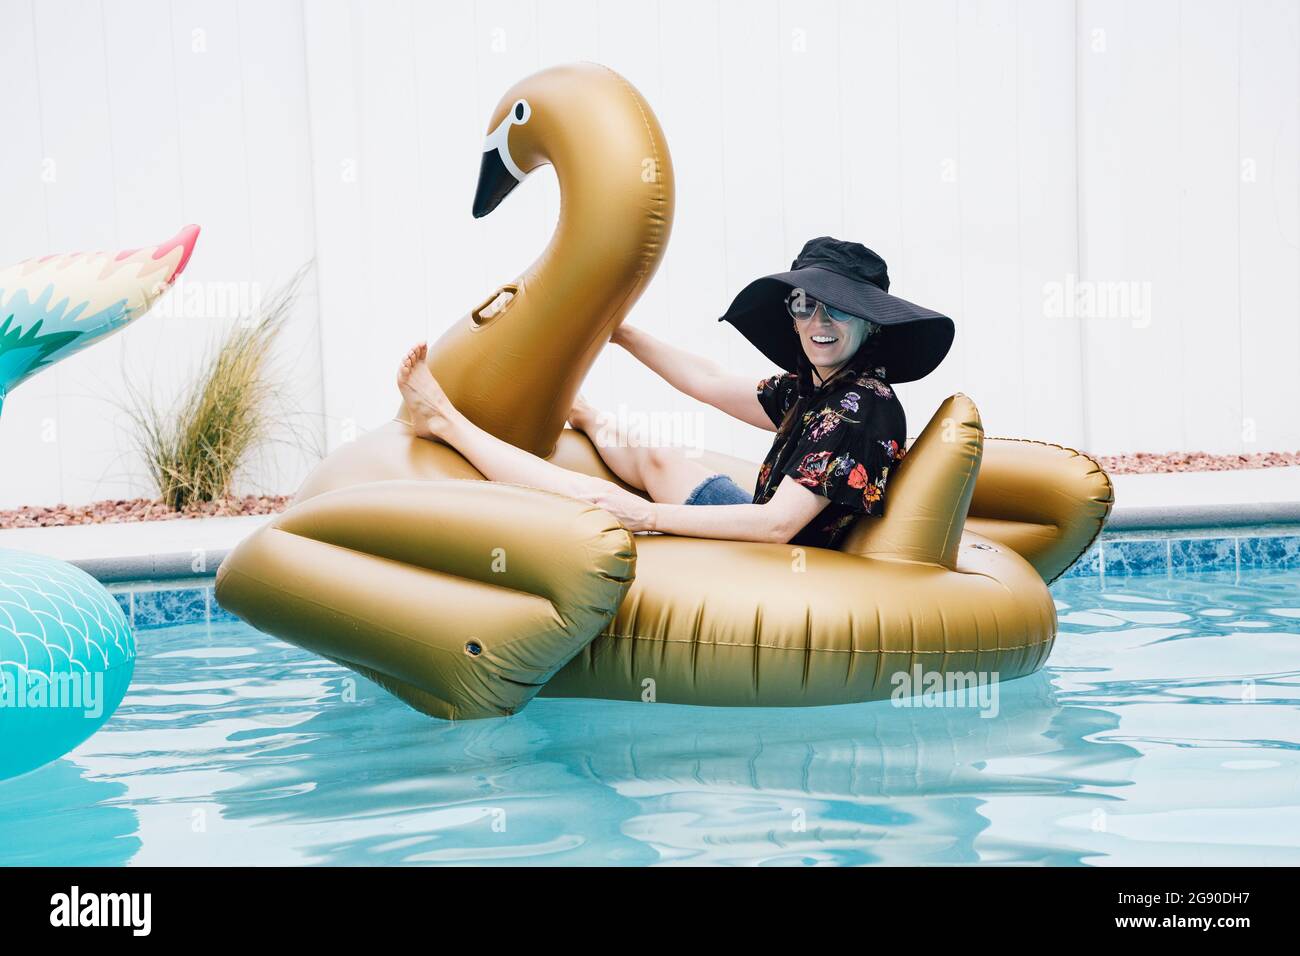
(718, 490)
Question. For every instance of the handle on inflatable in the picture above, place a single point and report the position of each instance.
(494, 305)
(470, 595)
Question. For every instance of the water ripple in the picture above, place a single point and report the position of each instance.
(1163, 731)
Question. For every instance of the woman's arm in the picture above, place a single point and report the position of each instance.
(777, 521)
(696, 376)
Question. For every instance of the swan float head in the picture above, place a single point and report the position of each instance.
(57, 305)
(499, 173)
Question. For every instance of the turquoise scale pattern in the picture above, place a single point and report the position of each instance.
(55, 618)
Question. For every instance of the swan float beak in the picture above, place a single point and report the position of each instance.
(498, 173)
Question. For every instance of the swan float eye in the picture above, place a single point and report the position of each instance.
(498, 140)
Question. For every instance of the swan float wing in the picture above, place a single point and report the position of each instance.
(460, 597)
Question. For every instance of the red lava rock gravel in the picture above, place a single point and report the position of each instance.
(137, 509)
(1144, 463)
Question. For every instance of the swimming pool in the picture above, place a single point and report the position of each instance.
(1163, 731)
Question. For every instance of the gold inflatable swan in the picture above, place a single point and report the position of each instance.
(467, 598)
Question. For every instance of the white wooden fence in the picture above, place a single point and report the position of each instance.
(1104, 194)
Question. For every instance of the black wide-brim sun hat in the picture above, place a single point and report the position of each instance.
(848, 276)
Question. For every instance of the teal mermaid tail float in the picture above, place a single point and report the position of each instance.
(66, 657)
(66, 649)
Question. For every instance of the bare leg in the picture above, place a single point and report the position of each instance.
(665, 474)
(436, 417)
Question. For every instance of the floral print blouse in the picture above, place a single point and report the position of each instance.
(844, 448)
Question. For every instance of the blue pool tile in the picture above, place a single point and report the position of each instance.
(123, 599)
(1136, 556)
(1276, 551)
(150, 607)
(1191, 555)
(1088, 565)
(170, 606)
(216, 613)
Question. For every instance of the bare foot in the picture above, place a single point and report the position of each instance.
(428, 404)
(583, 415)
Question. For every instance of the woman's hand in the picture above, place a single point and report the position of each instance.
(632, 511)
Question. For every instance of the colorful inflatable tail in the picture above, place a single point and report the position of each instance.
(55, 306)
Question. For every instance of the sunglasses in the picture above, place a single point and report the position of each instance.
(800, 305)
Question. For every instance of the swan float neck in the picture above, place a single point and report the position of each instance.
(515, 363)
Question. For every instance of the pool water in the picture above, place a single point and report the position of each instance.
(1164, 731)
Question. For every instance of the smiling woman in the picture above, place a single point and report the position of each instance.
(830, 336)
(848, 279)
(840, 426)
(836, 441)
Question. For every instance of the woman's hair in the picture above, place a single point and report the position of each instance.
(862, 358)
